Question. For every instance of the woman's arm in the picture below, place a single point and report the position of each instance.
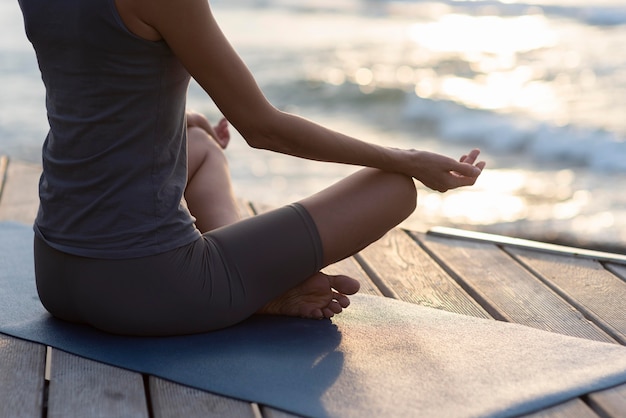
(189, 28)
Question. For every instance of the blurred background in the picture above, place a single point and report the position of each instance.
(539, 86)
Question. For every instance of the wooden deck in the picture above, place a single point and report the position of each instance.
(556, 289)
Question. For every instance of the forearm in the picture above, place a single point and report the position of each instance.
(293, 135)
(290, 134)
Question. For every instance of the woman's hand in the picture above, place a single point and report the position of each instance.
(219, 132)
(442, 173)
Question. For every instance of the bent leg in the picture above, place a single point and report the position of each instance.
(360, 209)
(209, 193)
(210, 200)
(348, 216)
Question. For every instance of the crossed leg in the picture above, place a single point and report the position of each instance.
(209, 192)
(349, 216)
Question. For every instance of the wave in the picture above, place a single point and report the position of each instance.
(534, 141)
(594, 15)
(531, 141)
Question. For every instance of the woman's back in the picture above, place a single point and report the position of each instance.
(115, 157)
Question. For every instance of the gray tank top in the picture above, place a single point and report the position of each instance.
(114, 160)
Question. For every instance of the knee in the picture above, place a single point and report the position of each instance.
(199, 141)
(404, 193)
(398, 192)
(201, 148)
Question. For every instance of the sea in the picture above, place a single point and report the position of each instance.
(538, 85)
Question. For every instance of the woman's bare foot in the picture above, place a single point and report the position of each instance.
(320, 296)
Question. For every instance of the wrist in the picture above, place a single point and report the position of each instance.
(405, 161)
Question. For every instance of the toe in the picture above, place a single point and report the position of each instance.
(335, 307)
(344, 284)
(342, 300)
(315, 314)
(328, 313)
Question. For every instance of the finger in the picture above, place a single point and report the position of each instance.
(222, 133)
(463, 181)
(223, 123)
(471, 157)
(466, 169)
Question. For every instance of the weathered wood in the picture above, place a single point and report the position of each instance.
(85, 388)
(268, 412)
(245, 208)
(350, 267)
(575, 408)
(4, 162)
(610, 402)
(617, 269)
(404, 271)
(506, 289)
(171, 400)
(524, 243)
(22, 366)
(20, 198)
(258, 208)
(585, 284)
(583, 272)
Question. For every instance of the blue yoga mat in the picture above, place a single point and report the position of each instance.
(379, 357)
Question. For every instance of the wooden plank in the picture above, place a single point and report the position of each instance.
(617, 269)
(171, 400)
(575, 408)
(84, 388)
(570, 326)
(350, 267)
(245, 208)
(404, 271)
(20, 196)
(506, 289)
(258, 208)
(4, 162)
(21, 378)
(268, 412)
(523, 243)
(585, 284)
(610, 402)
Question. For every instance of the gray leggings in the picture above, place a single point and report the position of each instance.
(218, 280)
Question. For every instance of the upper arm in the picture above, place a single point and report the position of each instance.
(190, 30)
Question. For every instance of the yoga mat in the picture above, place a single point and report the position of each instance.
(380, 356)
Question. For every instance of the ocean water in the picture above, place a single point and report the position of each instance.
(539, 86)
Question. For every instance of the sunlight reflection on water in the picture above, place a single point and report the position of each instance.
(426, 69)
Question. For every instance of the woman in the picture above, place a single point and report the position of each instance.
(116, 248)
